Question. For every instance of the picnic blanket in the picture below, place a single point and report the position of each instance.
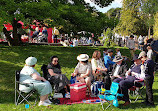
(87, 100)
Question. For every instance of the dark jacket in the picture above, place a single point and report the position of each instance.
(122, 70)
(149, 68)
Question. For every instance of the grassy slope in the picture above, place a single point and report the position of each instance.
(12, 58)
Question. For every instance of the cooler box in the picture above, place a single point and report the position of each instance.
(78, 91)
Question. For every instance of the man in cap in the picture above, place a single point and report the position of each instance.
(119, 69)
(134, 73)
(147, 68)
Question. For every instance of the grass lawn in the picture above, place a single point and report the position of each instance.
(13, 58)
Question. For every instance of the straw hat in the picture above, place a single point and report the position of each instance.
(82, 57)
(142, 54)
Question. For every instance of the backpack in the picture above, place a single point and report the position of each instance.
(95, 86)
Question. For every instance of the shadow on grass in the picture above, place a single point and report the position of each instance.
(138, 103)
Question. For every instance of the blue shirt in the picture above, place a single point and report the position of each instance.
(108, 61)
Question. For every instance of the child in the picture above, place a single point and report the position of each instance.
(118, 52)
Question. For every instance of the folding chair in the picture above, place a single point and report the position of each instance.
(110, 95)
(22, 96)
(137, 89)
(45, 72)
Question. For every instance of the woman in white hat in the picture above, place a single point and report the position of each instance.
(29, 75)
(83, 70)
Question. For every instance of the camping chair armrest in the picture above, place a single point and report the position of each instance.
(26, 84)
(121, 95)
(139, 81)
(107, 91)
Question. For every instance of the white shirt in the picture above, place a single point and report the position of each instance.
(116, 70)
(97, 63)
(150, 54)
(119, 53)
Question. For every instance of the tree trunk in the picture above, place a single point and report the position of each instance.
(15, 36)
(9, 39)
(15, 40)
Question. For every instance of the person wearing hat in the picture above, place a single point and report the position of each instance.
(134, 73)
(83, 70)
(29, 75)
(131, 45)
(148, 69)
(119, 69)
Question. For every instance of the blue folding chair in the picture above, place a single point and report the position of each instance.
(110, 95)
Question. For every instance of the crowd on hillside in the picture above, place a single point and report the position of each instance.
(109, 68)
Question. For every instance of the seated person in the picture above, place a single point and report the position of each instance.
(97, 65)
(83, 70)
(108, 59)
(134, 73)
(59, 80)
(29, 75)
(119, 69)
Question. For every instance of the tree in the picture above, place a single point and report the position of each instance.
(102, 3)
(130, 21)
(62, 12)
(149, 9)
(156, 26)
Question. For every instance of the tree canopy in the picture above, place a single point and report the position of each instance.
(71, 15)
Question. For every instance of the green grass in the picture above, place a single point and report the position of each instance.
(13, 58)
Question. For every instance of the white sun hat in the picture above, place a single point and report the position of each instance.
(82, 57)
(31, 61)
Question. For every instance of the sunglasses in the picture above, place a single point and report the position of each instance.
(55, 60)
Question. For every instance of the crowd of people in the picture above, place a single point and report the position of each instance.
(109, 68)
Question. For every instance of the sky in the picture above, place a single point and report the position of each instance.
(114, 4)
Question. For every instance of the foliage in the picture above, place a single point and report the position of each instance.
(71, 15)
(156, 26)
(102, 3)
(130, 21)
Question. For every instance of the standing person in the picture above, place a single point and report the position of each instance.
(75, 42)
(148, 68)
(140, 42)
(145, 44)
(56, 34)
(20, 31)
(150, 53)
(29, 75)
(45, 33)
(35, 34)
(131, 45)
